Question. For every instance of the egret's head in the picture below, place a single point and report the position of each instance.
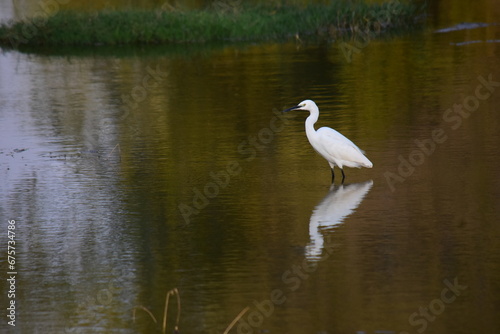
(304, 105)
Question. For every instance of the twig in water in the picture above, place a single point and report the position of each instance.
(174, 291)
(119, 152)
(145, 309)
(236, 320)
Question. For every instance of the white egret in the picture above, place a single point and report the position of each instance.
(332, 145)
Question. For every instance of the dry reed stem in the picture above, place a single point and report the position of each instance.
(236, 319)
(145, 309)
(174, 291)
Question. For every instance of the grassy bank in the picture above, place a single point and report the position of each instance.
(197, 26)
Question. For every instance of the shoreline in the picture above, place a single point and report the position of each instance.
(249, 24)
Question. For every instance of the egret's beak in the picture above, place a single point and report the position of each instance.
(292, 108)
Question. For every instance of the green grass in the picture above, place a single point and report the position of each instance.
(256, 23)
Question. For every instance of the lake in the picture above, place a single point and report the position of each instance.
(129, 172)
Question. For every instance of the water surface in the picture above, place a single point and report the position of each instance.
(135, 171)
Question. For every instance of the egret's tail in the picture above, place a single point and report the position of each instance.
(367, 163)
(364, 162)
(361, 161)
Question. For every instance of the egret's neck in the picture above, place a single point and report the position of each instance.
(310, 121)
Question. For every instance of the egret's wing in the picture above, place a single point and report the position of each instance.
(336, 143)
(336, 147)
(336, 138)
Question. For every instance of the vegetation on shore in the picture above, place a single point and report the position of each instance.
(248, 23)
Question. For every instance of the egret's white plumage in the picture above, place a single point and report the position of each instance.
(332, 145)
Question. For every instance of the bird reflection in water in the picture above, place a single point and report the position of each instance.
(340, 202)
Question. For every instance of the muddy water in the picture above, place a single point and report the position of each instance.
(131, 172)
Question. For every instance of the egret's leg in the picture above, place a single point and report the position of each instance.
(333, 175)
(343, 175)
